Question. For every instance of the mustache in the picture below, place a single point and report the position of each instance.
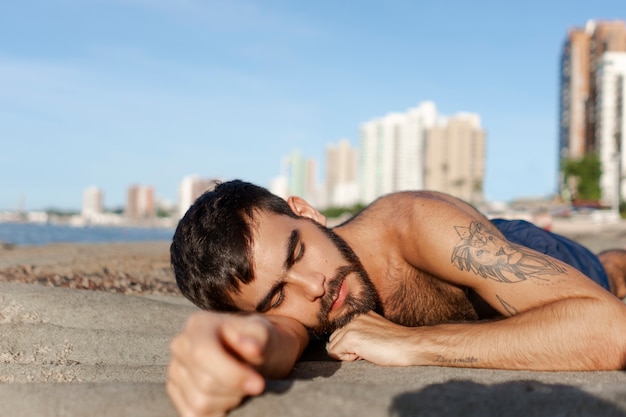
(334, 285)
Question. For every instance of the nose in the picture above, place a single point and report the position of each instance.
(311, 284)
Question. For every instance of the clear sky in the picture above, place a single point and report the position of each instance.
(119, 92)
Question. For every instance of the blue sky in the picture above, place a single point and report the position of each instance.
(119, 92)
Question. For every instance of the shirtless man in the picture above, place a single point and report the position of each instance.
(417, 278)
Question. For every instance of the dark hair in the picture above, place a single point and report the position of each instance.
(211, 248)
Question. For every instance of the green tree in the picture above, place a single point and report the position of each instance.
(334, 212)
(587, 172)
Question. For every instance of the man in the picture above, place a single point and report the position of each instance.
(416, 278)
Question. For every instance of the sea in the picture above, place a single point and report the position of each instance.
(28, 234)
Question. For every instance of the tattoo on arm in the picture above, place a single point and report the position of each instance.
(490, 256)
(508, 307)
(455, 361)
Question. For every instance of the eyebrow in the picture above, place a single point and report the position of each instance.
(292, 242)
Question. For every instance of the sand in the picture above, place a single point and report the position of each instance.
(86, 327)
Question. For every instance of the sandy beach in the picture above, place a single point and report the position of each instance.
(86, 328)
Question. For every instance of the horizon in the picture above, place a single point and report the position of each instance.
(113, 93)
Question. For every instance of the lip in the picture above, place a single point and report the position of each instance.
(341, 297)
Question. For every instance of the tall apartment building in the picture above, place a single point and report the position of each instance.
(192, 187)
(420, 149)
(140, 202)
(610, 125)
(342, 187)
(93, 202)
(581, 89)
(301, 175)
(455, 157)
(392, 152)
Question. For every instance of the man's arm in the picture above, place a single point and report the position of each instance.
(218, 359)
(557, 319)
(549, 338)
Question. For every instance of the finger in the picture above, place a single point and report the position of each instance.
(248, 337)
(212, 365)
(192, 400)
(336, 352)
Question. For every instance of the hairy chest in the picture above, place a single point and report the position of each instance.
(416, 298)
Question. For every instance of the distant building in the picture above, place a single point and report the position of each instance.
(610, 126)
(392, 152)
(191, 188)
(581, 90)
(420, 149)
(455, 157)
(140, 202)
(301, 175)
(280, 187)
(93, 202)
(342, 187)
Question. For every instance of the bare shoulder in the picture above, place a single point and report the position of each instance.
(414, 207)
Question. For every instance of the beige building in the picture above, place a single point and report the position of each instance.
(93, 202)
(455, 157)
(342, 187)
(420, 149)
(140, 202)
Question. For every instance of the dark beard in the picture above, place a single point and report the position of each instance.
(366, 300)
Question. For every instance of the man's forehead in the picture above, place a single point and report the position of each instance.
(271, 227)
(271, 237)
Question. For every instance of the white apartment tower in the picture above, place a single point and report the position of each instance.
(192, 187)
(610, 126)
(392, 149)
(93, 202)
(342, 187)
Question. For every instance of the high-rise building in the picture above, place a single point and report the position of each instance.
(455, 157)
(279, 186)
(192, 187)
(392, 152)
(342, 187)
(93, 202)
(140, 202)
(580, 88)
(610, 125)
(301, 175)
(419, 149)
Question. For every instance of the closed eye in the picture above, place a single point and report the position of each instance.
(295, 249)
(278, 297)
(300, 253)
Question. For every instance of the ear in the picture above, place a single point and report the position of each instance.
(304, 209)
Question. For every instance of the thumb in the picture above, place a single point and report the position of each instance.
(248, 337)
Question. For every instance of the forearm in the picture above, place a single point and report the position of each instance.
(553, 337)
(287, 342)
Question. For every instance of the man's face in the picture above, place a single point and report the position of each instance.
(305, 271)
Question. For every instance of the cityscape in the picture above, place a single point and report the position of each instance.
(420, 148)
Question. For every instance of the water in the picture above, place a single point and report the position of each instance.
(41, 234)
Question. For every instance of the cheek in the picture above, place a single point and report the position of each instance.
(305, 313)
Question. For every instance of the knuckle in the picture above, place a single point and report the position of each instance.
(176, 345)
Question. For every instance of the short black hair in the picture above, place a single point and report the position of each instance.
(211, 249)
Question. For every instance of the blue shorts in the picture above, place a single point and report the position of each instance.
(527, 234)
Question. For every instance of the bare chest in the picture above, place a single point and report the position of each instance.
(412, 297)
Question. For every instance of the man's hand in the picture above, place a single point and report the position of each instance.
(213, 363)
(373, 338)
